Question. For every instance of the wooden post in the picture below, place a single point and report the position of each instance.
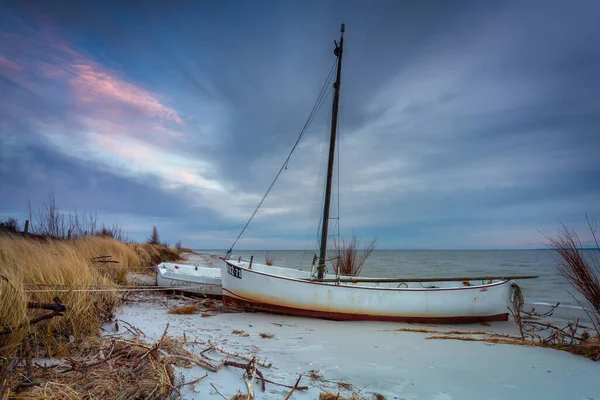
(251, 259)
(26, 228)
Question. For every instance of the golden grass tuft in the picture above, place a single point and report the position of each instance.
(13, 310)
(350, 260)
(267, 335)
(54, 268)
(269, 260)
(589, 350)
(195, 309)
(331, 396)
(39, 269)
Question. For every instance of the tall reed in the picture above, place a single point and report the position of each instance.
(349, 259)
(582, 272)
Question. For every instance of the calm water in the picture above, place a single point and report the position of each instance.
(549, 287)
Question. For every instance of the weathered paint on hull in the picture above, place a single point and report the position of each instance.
(271, 308)
(260, 290)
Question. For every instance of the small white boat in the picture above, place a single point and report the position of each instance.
(194, 279)
(258, 287)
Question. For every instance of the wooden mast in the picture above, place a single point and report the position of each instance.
(334, 117)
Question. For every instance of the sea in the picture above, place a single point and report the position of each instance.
(549, 288)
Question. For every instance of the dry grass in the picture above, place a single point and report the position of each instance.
(62, 268)
(419, 330)
(267, 335)
(13, 310)
(239, 333)
(589, 350)
(349, 259)
(583, 274)
(195, 309)
(269, 260)
(331, 396)
(54, 265)
(101, 368)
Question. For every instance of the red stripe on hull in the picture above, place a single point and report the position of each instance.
(252, 306)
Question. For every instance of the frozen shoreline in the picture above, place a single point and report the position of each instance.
(368, 355)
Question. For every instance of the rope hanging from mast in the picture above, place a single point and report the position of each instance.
(323, 94)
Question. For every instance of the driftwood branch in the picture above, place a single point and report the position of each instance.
(245, 367)
(294, 388)
(199, 363)
(191, 382)
(286, 386)
(57, 306)
(246, 357)
(9, 330)
(250, 378)
(217, 390)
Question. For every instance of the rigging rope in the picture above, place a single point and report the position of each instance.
(316, 107)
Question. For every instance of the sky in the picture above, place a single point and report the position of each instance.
(462, 124)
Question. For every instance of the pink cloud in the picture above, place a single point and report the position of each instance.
(187, 177)
(9, 65)
(92, 82)
(130, 152)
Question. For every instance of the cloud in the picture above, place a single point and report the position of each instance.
(469, 127)
(9, 65)
(95, 87)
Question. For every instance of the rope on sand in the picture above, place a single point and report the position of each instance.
(108, 289)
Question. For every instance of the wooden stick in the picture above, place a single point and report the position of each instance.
(28, 365)
(294, 388)
(286, 386)
(472, 278)
(9, 330)
(239, 355)
(200, 363)
(57, 306)
(217, 390)
(250, 378)
(245, 367)
(191, 382)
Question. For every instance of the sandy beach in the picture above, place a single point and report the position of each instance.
(372, 357)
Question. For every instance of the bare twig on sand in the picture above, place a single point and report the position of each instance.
(250, 378)
(219, 393)
(294, 388)
(286, 386)
(246, 357)
(196, 361)
(247, 367)
(191, 382)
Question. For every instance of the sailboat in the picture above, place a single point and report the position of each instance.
(260, 287)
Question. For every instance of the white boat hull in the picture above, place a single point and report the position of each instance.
(282, 290)
(194, 279)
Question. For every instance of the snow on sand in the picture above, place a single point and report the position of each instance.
(369, 355)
